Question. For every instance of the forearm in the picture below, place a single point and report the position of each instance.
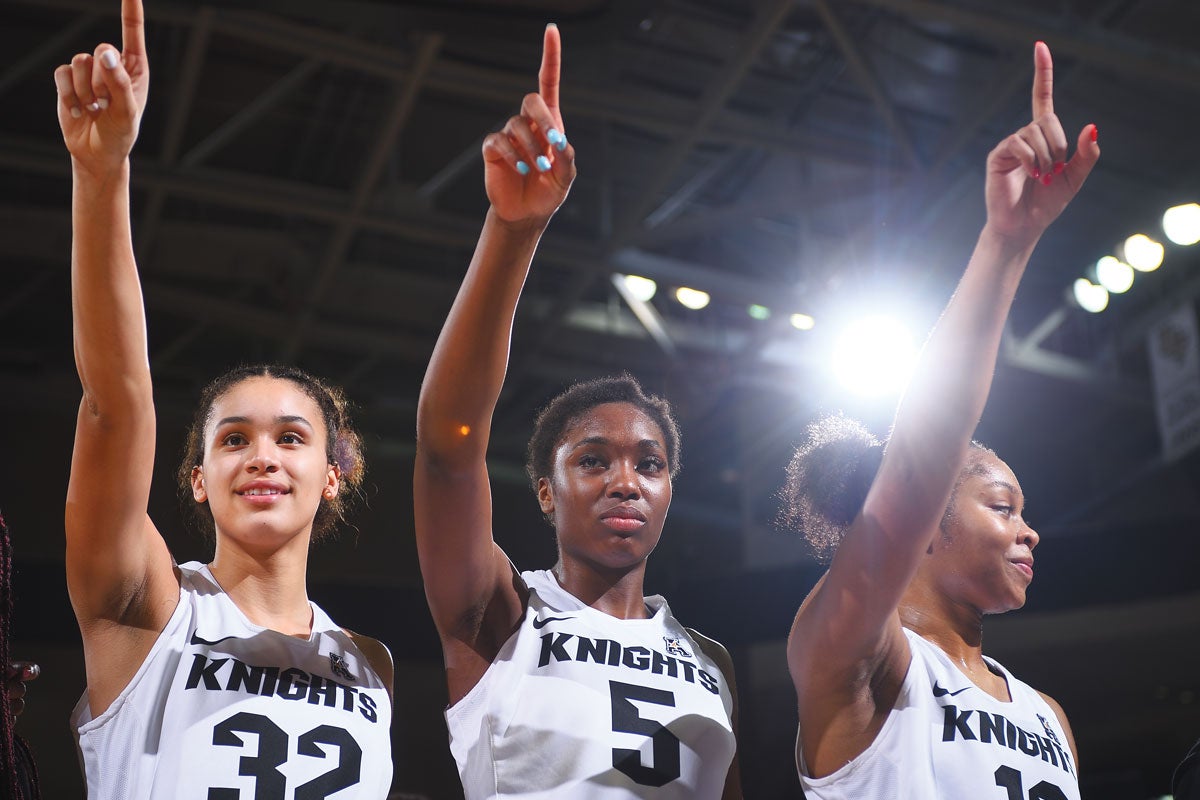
(466, 371)
(108, 314)
(949, 388)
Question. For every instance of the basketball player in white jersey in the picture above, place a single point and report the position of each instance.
(217, 681)
(896, 698)
(569, 682)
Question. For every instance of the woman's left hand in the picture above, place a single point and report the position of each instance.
(1029, 179)
(16, 676)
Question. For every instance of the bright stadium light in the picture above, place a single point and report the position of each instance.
(802, 322)
(1090, 296)
(874, 356)
(691, 298)
(1181, 224)
(1114, 275)
(1143, 253)
(641, 288)
(758, 312)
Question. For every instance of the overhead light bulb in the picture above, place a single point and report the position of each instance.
(1143, 253)
(1181, 224)
(694, 299)
(1090, 296)
(640, 288)
(802, 322)
(1114, 275)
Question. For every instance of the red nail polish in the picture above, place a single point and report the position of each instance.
(1059, 167)
(1036, 173)
(1095, 133)
(1049, 176)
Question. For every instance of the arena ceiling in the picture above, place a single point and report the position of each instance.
(307, 188)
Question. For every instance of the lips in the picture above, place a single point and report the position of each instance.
(625, 519)
(1023, 565)
(262, 491)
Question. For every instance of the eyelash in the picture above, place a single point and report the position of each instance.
(228, 440)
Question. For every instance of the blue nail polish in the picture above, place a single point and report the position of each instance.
(561, 144)
(543, 164)
(554, 136)
(522, 168)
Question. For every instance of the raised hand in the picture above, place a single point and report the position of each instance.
(101, 95)
(529, 165)
(1029, 178)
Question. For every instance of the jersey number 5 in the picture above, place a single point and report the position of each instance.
(269, 782)
(625, 719)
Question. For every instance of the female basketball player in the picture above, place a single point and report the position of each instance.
(566, 682)
(217, 680)
(20, 781)
(896, 698)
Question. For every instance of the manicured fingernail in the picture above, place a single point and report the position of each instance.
(1049, 176)
(543, 164)
(561, 144)
(522, 168)
(31, 671)
(1059, 167)
(109, 59)
(1095, 133)
(93, 106)
(102, 102)
(75, 112)
(1036, 173)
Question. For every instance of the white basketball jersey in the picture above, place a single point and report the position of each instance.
(223, 709)
(947, 739)
(581, 705)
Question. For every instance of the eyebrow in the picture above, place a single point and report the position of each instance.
(1003, 485)
(286, 419)
(603, 440)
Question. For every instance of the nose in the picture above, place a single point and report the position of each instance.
(624, 481)
(1029, 536)
(263, 457)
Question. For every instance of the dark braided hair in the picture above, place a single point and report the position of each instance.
(576, 401)
(17, 784)
(830, 474)
(343, 444)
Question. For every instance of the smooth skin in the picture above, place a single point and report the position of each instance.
(847, 653)
(121, 578)
(612, 457)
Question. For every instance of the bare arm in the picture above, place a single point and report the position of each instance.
(846, 649)
(118, 570)
(468, 581)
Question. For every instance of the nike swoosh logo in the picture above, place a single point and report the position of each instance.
(197, 640)
(938, 691)
(541, 623)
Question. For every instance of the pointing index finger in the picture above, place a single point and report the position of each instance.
(551, 67)
(1043, 81)
(133, 28)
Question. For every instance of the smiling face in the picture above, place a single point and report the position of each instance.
(985, 556)
(610, 487)
(265, 469)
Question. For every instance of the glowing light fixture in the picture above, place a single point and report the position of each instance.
(1090, 296)
(1181, 224)
(692, 298)
(1114, 275)
(641, 288)
(758, 312)
(1143, 253)
(802, 322)
(874, 356)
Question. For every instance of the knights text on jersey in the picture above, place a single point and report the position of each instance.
(223, 709)
(947, 739)
(580, 704)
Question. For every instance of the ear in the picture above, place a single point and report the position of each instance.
(333, 482)
(199, 493)
(545, 496)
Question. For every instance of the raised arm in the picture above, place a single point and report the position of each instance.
(118, 569)
(847, 640)
(528, 169)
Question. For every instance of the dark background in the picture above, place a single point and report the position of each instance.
(307, 188)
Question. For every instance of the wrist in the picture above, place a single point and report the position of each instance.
(99, 176)
(530, 227)
(1013, 244)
